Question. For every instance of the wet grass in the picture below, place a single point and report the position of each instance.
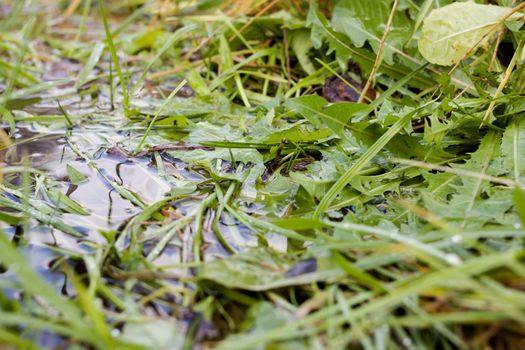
(199, 174)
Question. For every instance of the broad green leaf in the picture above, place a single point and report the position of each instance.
(154, 334)
(299, 134)
(262, 269)
(448, 33)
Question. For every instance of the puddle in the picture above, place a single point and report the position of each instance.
(107, 209)
(40, 258)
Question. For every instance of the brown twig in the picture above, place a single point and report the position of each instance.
(379, 52)
(495, 53)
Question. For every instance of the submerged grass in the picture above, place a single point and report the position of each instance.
(234, 193)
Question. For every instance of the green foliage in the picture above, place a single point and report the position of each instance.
(237, 197)
(365, 21)
(453, 31)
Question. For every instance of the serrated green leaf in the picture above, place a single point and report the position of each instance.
(476, 202)
(364, 21)
(318, 112)
(322, 32)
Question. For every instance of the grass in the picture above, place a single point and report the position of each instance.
(215, 195)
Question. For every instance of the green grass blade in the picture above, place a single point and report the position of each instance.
(363, 161)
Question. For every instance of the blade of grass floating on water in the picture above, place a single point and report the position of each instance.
(222, 199)
(124, 192)
(11, 219)
(36, 209)
(46, 219)
(75, 176)
(67, 204)
(133, 226)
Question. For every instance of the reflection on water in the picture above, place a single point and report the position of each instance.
(107, 210)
